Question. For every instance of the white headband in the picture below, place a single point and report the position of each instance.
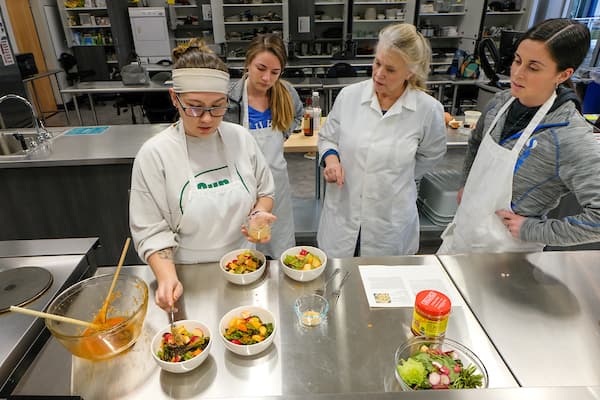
(200, 80)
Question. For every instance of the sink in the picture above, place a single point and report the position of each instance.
(15, 145)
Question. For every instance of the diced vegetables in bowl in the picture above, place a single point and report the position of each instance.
(243, 266)
(247, 330)
(182, 349)
(303, 263)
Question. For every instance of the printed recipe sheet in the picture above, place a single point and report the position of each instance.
(397, 285)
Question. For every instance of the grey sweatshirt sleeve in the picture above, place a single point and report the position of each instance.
(148, 207)
(298, 110)
(579, 169)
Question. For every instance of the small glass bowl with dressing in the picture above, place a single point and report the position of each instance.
(311, 309)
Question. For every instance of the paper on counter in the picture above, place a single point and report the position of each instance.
(88, 130)
(397, 285)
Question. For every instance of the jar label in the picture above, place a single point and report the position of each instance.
(427, 327)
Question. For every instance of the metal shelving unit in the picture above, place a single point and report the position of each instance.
(187, 21)
(235, 24)
(369, 17)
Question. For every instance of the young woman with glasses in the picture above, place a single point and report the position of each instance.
(194, 184)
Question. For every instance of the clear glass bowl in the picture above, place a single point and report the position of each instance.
(311, 309)
(412, 346)
(83, 301)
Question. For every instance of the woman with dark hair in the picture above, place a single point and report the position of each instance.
(531, 147)
(194, 184)
(270, 108)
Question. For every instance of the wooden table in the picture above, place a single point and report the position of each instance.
(299, 143)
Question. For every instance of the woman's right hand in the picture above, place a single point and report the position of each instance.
(167, 293)
(459, 195)
(333, 172)
(169, 289)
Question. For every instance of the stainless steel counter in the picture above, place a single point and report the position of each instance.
(46, 247)
(541, 311)
(117, 145)
(350, 354)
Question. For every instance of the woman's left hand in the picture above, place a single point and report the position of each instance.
(258, 227)
(512, 221)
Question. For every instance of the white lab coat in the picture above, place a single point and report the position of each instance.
(382, 155)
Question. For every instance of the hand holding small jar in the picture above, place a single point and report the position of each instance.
(258, 226)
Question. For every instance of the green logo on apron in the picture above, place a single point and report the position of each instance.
(222, 182)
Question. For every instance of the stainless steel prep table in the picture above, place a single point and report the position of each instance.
(100, 87)
(352, 352)
(541, 311)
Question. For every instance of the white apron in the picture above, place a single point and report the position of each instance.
(476, 228)
(271, 143)
(211, 222)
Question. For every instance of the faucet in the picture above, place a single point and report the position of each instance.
(40, 129)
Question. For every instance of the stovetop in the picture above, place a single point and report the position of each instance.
(18, 332)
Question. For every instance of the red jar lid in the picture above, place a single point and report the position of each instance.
(433, 303)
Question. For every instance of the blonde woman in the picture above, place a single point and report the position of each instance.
(194, 184)
(380, 136)
(270, 108)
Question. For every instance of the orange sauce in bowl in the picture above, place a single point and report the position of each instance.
(94, 344)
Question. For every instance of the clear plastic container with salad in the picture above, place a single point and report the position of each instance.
(423, 364)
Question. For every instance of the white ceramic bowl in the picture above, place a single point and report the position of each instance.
(265, 316)
(303, 275)
(183, 366)
(242, 279)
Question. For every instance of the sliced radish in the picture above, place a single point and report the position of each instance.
(434, 378)
(437, 364)
(445, 380)
(444, 370)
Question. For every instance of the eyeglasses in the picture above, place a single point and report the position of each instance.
(199, 111)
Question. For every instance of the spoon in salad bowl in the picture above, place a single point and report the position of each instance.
(174, 331)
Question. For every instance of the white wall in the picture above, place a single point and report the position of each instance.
(545, 9)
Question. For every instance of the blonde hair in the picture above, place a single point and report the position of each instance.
(196, 54)
(413, 48)
(280, 99)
